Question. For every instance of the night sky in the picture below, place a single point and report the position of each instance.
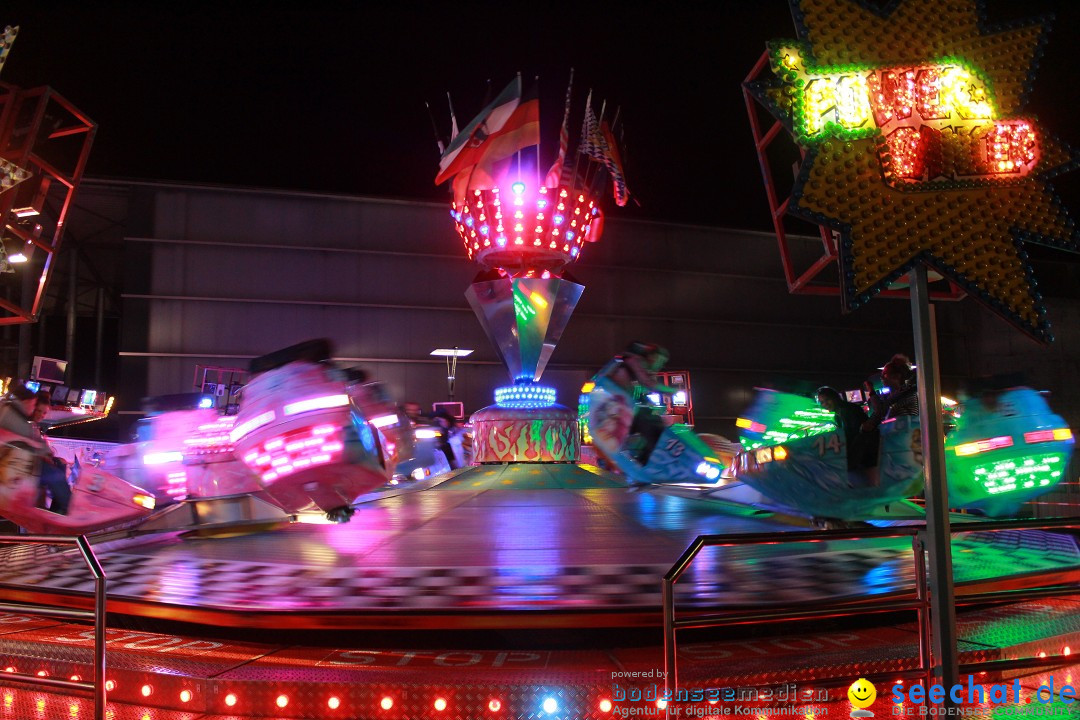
(329, 97)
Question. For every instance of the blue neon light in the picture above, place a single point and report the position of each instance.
(525, 396)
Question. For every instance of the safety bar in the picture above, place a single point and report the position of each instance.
(844, 608)
(97, 687)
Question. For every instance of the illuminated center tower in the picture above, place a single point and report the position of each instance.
(524, 237)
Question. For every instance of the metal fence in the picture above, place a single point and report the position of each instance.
(919, 601)
(97, 686)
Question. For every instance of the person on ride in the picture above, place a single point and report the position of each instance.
(448, 424)
(16, 416)
(414, 412)
(635, 371)
(903, 398)
(44, 400)
(849, 419)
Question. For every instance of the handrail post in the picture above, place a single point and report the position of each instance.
(99, 625)
(922, 615)
(671, 671)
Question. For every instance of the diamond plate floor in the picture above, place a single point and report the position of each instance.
(508, 540)
(162, 677)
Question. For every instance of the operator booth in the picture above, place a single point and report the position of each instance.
(678, 407)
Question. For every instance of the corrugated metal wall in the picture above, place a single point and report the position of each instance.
(215, 276)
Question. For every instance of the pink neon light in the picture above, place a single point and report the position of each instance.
(176, 484)
(297, 450)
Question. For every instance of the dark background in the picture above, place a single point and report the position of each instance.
(329, 97)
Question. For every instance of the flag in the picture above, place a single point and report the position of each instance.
(468, 145)
(554, 175)
(521, 130)
(614, 165)
(6, 39)
(598, 143)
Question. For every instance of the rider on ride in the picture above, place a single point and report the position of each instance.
(634, 370)
(16, 417)
(902, 398)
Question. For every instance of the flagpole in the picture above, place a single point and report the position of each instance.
(517, 153)
(577, 153)
(435, 129)
(564, 131)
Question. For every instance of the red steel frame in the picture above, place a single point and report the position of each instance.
(801, 284)
(23, 152)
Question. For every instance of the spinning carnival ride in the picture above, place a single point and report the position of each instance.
(524, 232)
(307, 435)
(1007, 448)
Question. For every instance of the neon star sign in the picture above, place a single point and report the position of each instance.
(937, 120)
(917, 149)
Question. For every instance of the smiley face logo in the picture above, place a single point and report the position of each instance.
(862, 693)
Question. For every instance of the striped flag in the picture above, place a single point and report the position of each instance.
(554, 175)
(614, 165)
(467, 147)
(598, 143)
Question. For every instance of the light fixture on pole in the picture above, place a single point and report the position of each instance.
(451, 355)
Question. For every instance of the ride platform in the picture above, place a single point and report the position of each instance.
(543, 584)
(507, 546)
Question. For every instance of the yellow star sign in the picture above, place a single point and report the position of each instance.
(917, 148)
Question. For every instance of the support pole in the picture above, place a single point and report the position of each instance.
(73, 291)
(939, 548)
(25, 353)
(451, 372)
(100, 336)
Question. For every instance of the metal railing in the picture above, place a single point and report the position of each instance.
(843, 607)
(97, 687)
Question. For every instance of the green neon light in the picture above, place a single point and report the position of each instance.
(843, 91)
(785, 417)
(1025, 472)
(523, 309)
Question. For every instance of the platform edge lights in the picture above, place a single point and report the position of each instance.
(913, 116)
